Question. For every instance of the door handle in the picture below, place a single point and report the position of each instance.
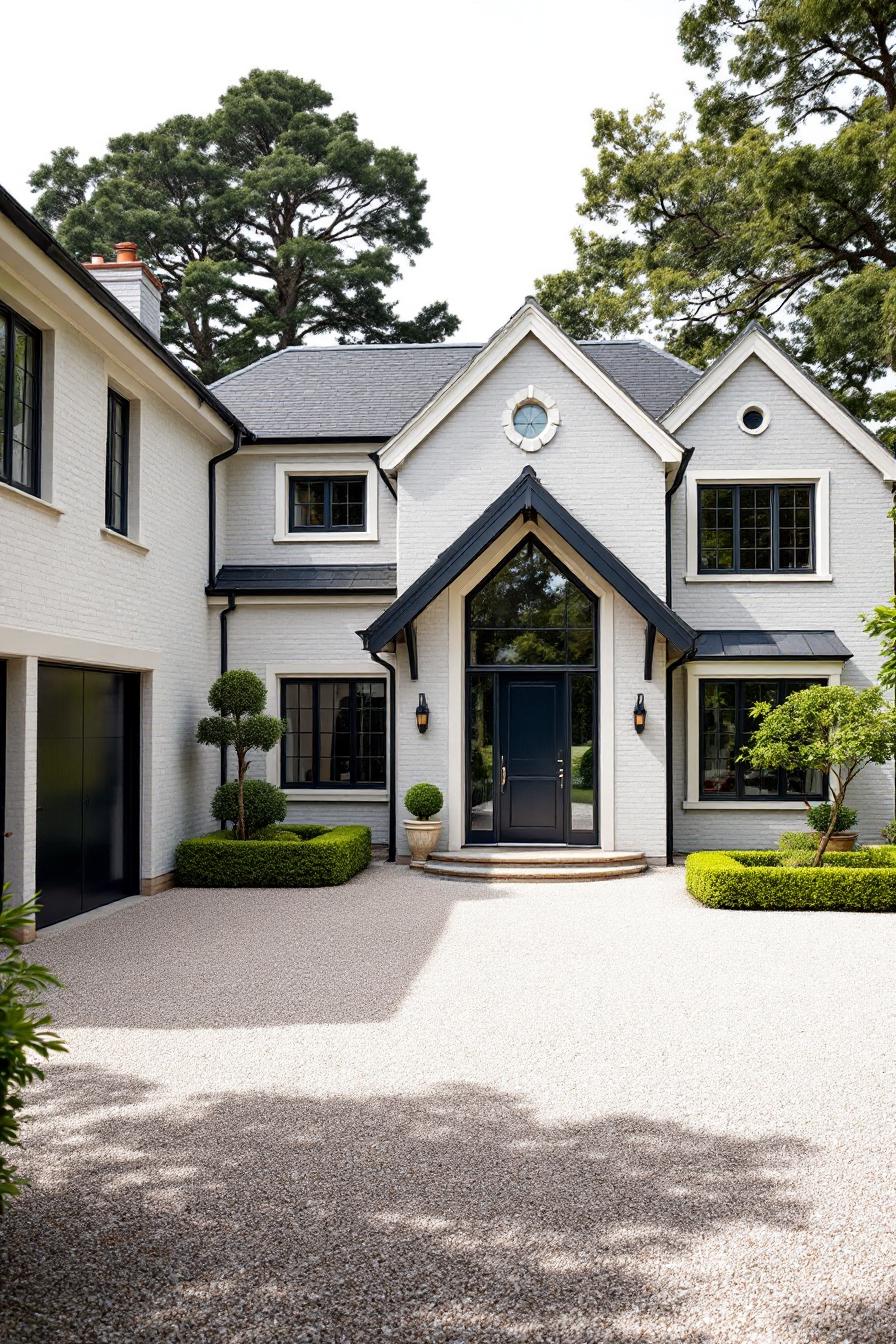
(503, 775)
(561, 772)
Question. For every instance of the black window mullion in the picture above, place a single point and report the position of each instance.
(776, 529)
(328, 505)
(736, 503)
(315, 729)
(353, 732)
(8, 367)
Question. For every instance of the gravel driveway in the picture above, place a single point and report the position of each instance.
(413, 1110)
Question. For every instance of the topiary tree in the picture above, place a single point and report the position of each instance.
(23, 1031)
(263, 804)
(835, 730)
(239, 699)
(423, 801)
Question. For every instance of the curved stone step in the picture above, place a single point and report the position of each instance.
(521, 856)
(505, 872)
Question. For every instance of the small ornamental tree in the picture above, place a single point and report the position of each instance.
(239, 699)
(835, 730)
(24, 1034)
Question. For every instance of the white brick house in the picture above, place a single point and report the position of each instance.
(532, 535)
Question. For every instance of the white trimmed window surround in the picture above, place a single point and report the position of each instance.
(363, 669)
(741, 669)
(820, 479)
(333, 467)
(527, 396)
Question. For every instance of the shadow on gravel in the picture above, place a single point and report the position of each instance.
(250, 958)
(857, 1322)
(453, 1216)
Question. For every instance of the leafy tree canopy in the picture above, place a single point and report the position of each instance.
(267, 222)
(775, 201)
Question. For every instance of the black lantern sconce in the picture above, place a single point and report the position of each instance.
(421, 714)
(640, 714)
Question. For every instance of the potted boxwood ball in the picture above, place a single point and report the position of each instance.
(423, 801)
(843, 837)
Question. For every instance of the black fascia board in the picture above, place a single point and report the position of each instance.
(526, 495)
(43, 239)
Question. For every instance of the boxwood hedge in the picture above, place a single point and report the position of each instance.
(289, 856)
(756, 880)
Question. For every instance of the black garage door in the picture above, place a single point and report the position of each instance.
(87, 789)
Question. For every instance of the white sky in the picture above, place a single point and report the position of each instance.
(494, 98)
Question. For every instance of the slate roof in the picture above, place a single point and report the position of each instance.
(370, 391)
(770, 644)
(330, 579)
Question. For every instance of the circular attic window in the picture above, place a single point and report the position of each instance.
(753, 419)
(530, 419)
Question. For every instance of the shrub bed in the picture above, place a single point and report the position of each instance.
(288, 856)
(756, 880)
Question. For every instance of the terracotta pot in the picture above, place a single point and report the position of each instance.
(423, 836)
(841, 841)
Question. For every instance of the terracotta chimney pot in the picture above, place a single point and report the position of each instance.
(125, 253)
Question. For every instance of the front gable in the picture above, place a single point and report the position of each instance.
(529, 321)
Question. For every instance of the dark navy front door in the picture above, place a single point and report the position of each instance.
(533, 747)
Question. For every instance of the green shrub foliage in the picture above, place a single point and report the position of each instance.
(239, 698)
(770, 880)
(423, 801)
(797, 840)
(819, 818)
(24, 1033)
(263, 802)
(325, 858)
(889, 833)
(586, 768)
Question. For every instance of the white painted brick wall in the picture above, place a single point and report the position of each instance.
(796, 440)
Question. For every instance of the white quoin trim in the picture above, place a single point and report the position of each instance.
(457, 724)
(756, 343)
(530, 320)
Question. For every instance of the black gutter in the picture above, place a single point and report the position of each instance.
(43, 239)
(225, 612)
(686, 456)
(392, 808)
(374, 457)
(238, 432)
(384, 593)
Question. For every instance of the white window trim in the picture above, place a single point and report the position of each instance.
(274, 673)
(753, 406)
(525, 396)
(821, 479)
(743, 669)
(342, 466)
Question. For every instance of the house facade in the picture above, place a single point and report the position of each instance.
(574, 566)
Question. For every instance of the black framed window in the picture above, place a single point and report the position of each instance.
(726, 727)
(756, 529)
(335, 733)
(19, 402)
(117, 451)
(327, 503)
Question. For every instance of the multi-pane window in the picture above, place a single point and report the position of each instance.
(19, 402)
(117, 435)
(726, 727)
(530, 613)
(327, 503)
(335, 733)
(756, 529)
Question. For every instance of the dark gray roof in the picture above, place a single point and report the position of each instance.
(330, 579)
(771, 644)
(370, 391)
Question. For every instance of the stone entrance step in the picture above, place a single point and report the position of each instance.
(522, 863)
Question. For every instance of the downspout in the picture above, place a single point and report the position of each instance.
(212, 502)
(224, 613)
(375, 459)
(672, 667)
(392, 808)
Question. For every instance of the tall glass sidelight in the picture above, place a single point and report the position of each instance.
(481, 762)
(581, 748)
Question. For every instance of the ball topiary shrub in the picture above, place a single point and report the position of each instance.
(264, 804)
(423, 801)
(819, 818)
(315, 856)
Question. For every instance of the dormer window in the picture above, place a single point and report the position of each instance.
(327, 503)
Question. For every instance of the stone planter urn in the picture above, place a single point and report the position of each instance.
(423, 836)
(842, 841)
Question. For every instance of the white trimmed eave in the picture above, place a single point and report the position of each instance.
(43, 292)
(757, 343)
(530, 320)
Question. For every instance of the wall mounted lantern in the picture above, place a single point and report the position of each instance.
(640, 714)
(421, 713)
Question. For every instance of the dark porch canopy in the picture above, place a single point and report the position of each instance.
(527, 496)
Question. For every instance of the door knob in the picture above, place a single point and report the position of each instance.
(503, 775)
(561, 772)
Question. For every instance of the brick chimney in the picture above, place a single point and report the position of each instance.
(132, 283)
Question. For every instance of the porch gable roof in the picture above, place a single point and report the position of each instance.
(526, 496)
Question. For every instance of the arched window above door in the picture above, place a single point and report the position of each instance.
(530, 613)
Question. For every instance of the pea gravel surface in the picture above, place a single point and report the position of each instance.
(415, 1110)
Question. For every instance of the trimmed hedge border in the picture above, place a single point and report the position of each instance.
(323, 857)
(753, 879)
